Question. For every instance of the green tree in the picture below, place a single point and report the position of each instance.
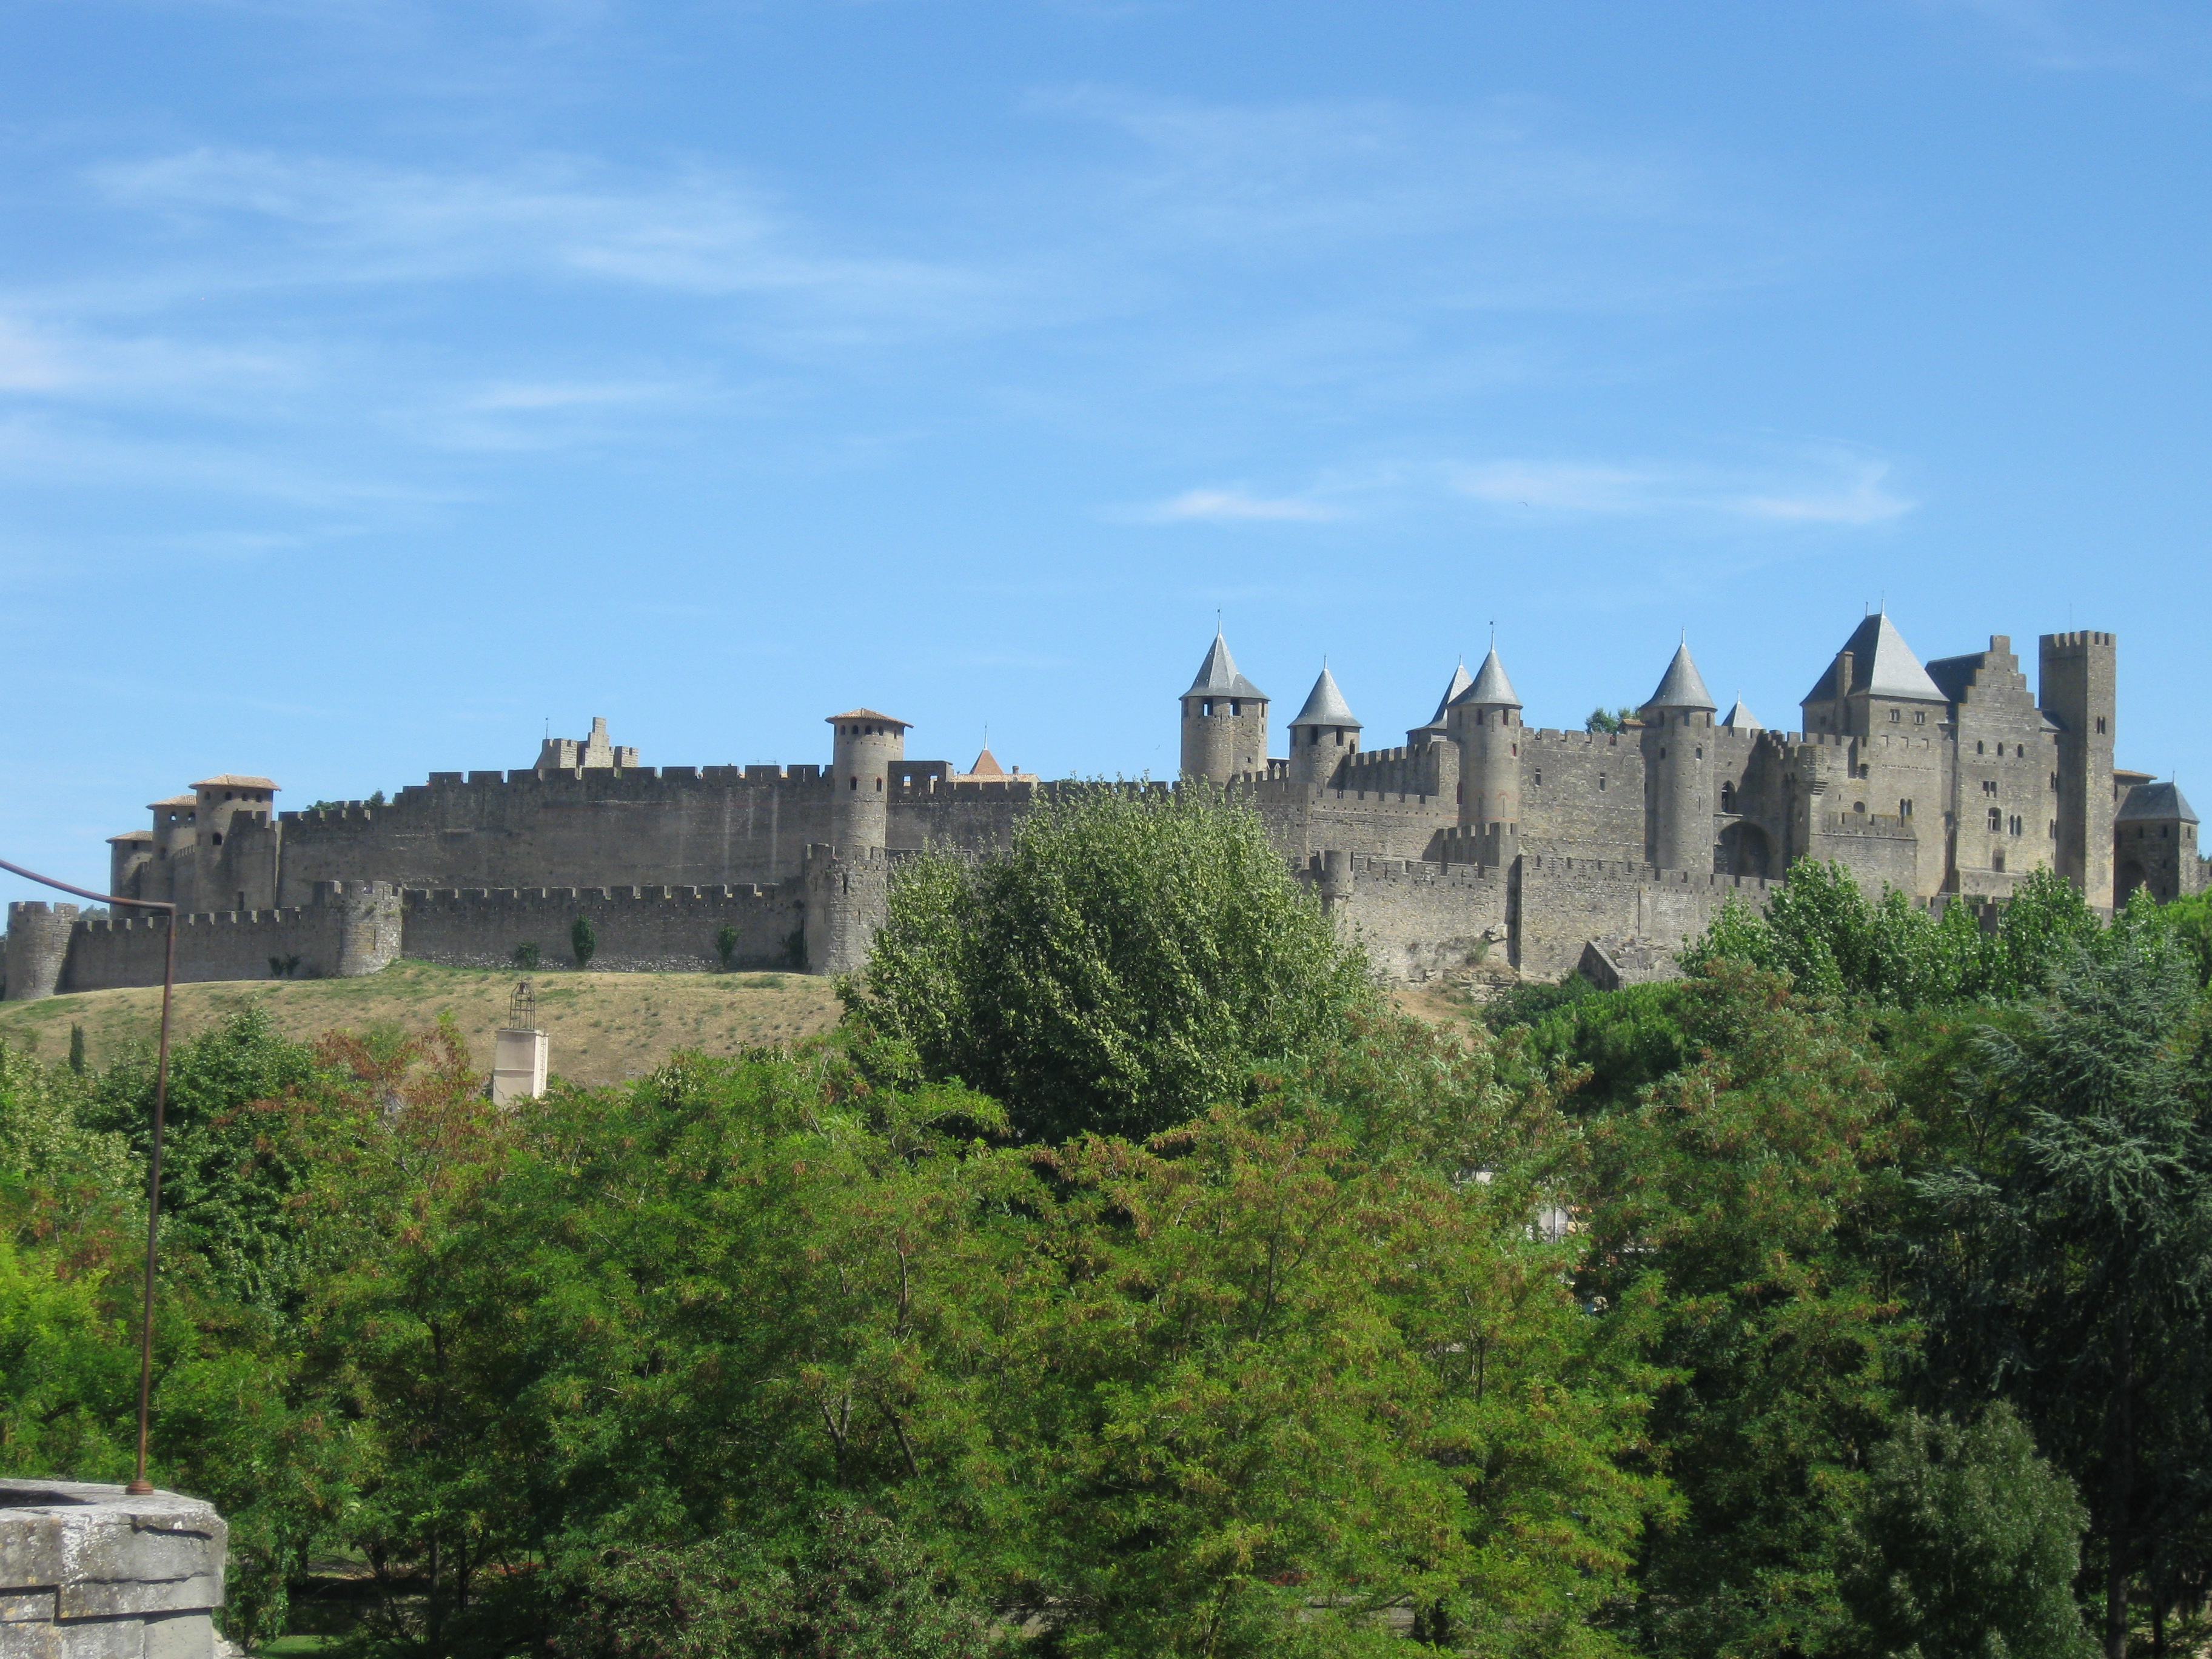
(1122, 966)
(229, 1182)
(855, 1587)
(1740, 1218)
(76, 1050)
(2072, 1269)
(2191, 921)
(725, 947)
(1821, 929)
(1964, 1545)
(1601, 719)
(583, 940)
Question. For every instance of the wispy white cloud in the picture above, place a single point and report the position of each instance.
(1826, 485)
(698, 231)
(59, 360)
(2066, 35)
(1235, 506)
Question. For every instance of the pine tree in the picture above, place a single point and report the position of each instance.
(2074, 1272)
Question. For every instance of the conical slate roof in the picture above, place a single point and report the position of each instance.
(2156, 801)
(1682, 686)
(1218, 675)
(1491, 686)
(1461, 680)
(1882, 664)
(1325, 705)
(1741, 718)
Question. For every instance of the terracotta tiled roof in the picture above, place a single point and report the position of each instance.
(232, 780)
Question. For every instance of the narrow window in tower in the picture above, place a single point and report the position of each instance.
(1904, 809)
(1540, 776)
(1996, 863)
(2100, 725)
(1727, 798)
(2015, 823)
(1980, 749)
(2054, 828)
(1701, 752)
(2054, 779)
(2020, 751)
(1896, 716)
(879, 786)
(1920, 717)
(856, 786)
(1236, 706)
(1996, 819)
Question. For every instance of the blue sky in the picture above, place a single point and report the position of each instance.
(380, 379)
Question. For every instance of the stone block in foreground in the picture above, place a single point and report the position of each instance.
(90, 1572)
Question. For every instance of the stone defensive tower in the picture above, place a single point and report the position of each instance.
(2156, 843)
(1678, 736)
(1224, 720)
(866, 746)
(1485, 724)
(1325, 733)
(37, 947)
(2077, 684)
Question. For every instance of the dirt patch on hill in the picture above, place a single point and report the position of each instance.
(605, 1027)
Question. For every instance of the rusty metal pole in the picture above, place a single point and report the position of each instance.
(140, 1485)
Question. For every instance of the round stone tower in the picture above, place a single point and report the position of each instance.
(1678, 741)
(1325, 734)
(1485, 720)
(863, 751)
(220, 800)
(38, 948)
(1224, 720)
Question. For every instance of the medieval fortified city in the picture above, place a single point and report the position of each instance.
(1478, 839)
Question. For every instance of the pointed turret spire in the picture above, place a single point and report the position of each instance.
(1325, 705)
(1461, 680)
(1741, 718)
(1682, 686)
(1491, 686)
(1218, 675)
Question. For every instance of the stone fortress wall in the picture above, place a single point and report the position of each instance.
(1479, 840)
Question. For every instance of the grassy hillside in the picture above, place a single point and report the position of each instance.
(605, 1027)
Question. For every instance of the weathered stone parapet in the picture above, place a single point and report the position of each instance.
(89, 1570)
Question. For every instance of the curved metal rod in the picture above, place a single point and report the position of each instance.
(140, 1485)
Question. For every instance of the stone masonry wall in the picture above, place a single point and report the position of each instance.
(1559, 904)
(1581, 795)
(225, 945)
(639, 929)
(1418, 918)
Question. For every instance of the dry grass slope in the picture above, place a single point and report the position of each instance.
(605, 1027)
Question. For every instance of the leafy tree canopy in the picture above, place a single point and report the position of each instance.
(1120, 967)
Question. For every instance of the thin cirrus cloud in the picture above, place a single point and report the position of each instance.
(1843, 489)
(1235, 506)
(697, 232)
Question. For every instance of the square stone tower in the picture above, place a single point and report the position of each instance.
(2077, 684)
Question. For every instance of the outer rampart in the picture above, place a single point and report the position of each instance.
(1559, 903)
(638, 929)
(1418, 918)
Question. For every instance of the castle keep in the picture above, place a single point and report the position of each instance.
(1477, 838)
